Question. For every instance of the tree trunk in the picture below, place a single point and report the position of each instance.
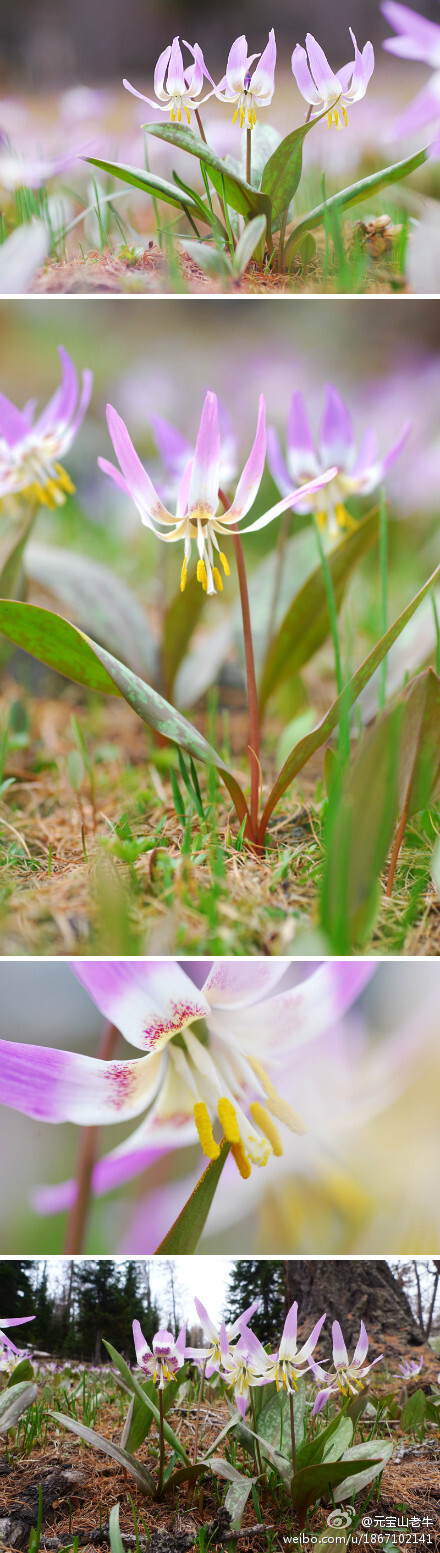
(351, 1292)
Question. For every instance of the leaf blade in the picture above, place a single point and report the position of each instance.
(184, 1235)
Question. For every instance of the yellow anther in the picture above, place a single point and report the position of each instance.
(228, 1119)
(204, 1129)
(241, 117)
(330, 119)
(64, 479)
(336, 119)
(202, 574)
(188, 115)
(218, 580)
(321, 519)
(344, 518)
(179, 115)
(172, 116)
(234, 121)
(183, 575)
(225, 564)
(279, 1107)
(344, 115)
(263, 1120)
(241, 1161)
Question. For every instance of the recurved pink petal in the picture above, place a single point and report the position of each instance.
(147, 1000)
(277, 463)
(301, 455)
(361, 1350)
(340, 1355)
(235, 983)
(301, 1014)
(250, 480)
(204, 484)
(140, 1342)
(237, 64)
(58, 1086)
(159, 76)
(139, 484)
(175, 76)
(263, 79)
(303, 78)
(141, 95)
(288, 1341)
(298, 496)
(421, 36)
(336, 435)
(13, 424)
(325, 79)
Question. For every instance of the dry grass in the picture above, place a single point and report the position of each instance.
(72, 883)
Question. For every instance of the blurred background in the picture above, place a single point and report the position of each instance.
(364, 1179)
(45, 44)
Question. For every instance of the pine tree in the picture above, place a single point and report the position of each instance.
(16, 1288)
(261, 1280)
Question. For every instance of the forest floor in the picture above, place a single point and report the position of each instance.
(80, 1488)
(129, 875)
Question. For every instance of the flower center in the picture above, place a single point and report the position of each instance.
(245, 105)
(176, 104)
(200, 525)
(220, 1078)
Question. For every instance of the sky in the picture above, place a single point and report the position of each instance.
(204, 1276)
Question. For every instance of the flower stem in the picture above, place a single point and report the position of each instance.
(344, 734)
(201, 129)
(292, 1431)
(248, 155)
(383, 557)
(257, 1442)
(199, 1401)
(254, 726)
(283, 224)
(86, 1159)
(161, 1444)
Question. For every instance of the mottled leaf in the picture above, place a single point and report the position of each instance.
(14, 1402)
(274, 1420)
(98, 600)
(23, 1371)
(159, 189)
(312, 1483)
(64, 647)
(143, 1396)
(361, 1456)
(357, 192)
(100, 1443)
(239, 194)
(282, 172)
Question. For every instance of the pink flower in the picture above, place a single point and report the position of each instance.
(30, 450)
(198, 496)
(180, 89)
(417, 38)
(324, 91)
(246, 90)
(348, 1377)
(165, 1358)
(357, 472)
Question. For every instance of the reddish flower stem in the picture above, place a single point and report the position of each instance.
(254, 726)
(86, 1160)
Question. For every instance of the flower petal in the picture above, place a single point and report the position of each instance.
(421, 36)
(140, 1342)
(148, 1000)
(340, 1355)
(208, 1325)
(299, 495)
(326, 81)
(139, 484)
(361, 1350)
(321, 1399)
(250, 480)
(175, 76)
(143, 98)
(292, 1018)
(301, 455)
(276, 462)
(58, 1086)
(310, 1344)
(287, 1349)
(159, 75)
(263, 79)
(237, 64)
(363, 70)
(336, 435)
(235, 983)
(13, 424)
(173, 447)
(204, 484)
(303, 78)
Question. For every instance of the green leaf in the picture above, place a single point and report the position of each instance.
(364, 190)
(157, 187)
(213, 261)
(413, 1414)
(236, 1500)
(180, 620)
(419, 753)
(312, 1483)
(329, 1444)
(65, 648)
(274, 1420)
(306, 623)
(183, 1237)
(282, 172)
(98, 600)
(23, 1371)
(359, 826)
(360, 1456)
(239, 194)
(15, 1402)
(116, 1542)
(138, 1390)
(138, 1471)
(253, 234)
(340, 708)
